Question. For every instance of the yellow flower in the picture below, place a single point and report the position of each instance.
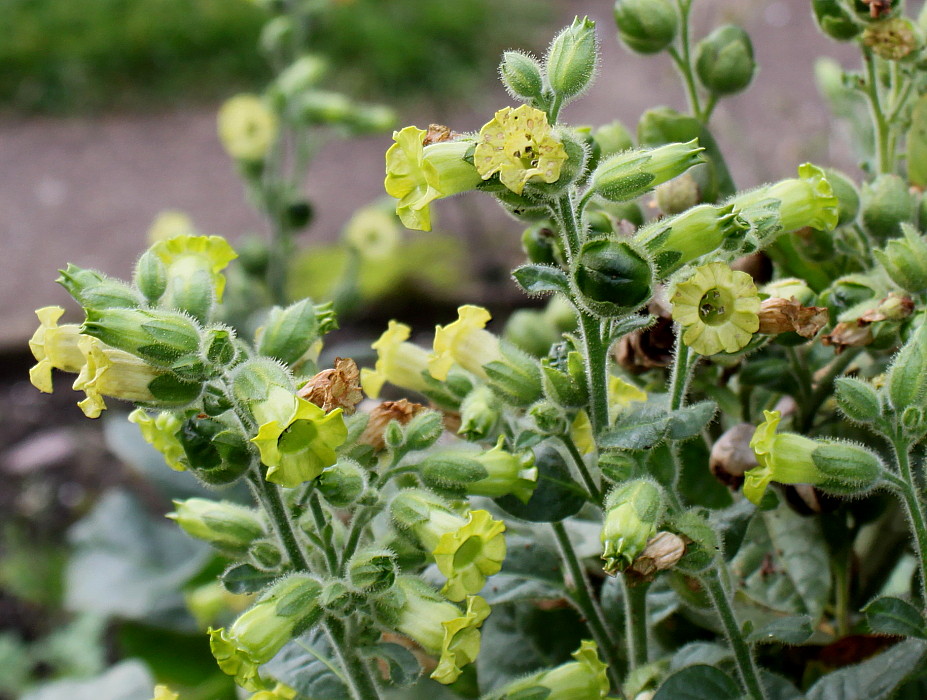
(296, 439)
(186, 255)
(717, 309)
(162, 692)
(161, 433)
(398, 362)
(170, 223)
(461, 644)
(417, 174)
(586, 678)
(247, 128)
(373, 233)
(520, 146)
(467, 555)
(783, 457)
(110, 372)
(54, 347)
(465, 342)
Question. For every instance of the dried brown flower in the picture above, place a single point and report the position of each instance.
(402, 411)
(786, 315)
(335, 388)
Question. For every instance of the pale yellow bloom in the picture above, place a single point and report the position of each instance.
(247, 128)
(54, 347)
(399, 362)
(464, 342)
(170, 223)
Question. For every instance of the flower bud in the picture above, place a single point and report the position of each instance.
(632, 512)
(847, 196)
(493, 473)
(586, 678)
(283, 612)
(571, 59)
(540, 243)
(342, 483)
(150, 276)
(907, 379)
(847, 469)
(677, 195)
(301, 75)
(893, 39)
(93, 289)
(290, 332)
(515, 377)
(466, 550)
(565, 381)
(857, 400)
(724, 60)
(324, 107)
(479, 413)
(612, 138)
(905, 260)
(628, 175)
(521, 76)
(612, 278)
(678, 240)
(646, 26)
(159, 337)
(835, 20)
(529, 330)
(371, 119)
(228, 527)
(886, 204)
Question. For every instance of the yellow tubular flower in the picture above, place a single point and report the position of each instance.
(717, 308)
(783, 457)
(54, 347)
(162, 692)
(461, 643)
(417, 174)
(465, 342)
(111, 372)
(247, 128)
(398, 362)
(520, 146)
(185, 255)
(161, 433)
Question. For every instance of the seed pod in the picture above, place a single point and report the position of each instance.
(724, 60)
(612, 278)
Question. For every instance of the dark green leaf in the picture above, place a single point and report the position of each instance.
(699, 682)
(541, 279)
(691, 420)
(794, 629)
(244, 578)
(557, 495)
(874, 679)
(404, 668)
(531, 571)
(307, 665)
(890, 615)
(638, 429)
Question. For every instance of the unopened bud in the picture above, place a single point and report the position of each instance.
(265, 554)
(847, 469)
(857, 399)
(905, 260)
(373, 570)
(628, 175)
(516, 377)
(226, 526)
(886, 204)
(724, 60)
(612, 278)
(290, 332)
(549, 418)
(632, 512)
(151, 276)
(571, 59)
(159, 337)
(521, 75)
(646, 26)
(342, 483)
(93, 289)
(612, 138)
(479, 413)
(677, 195)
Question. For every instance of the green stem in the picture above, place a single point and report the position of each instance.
(361, 518)
(269, 496)
(596, 372)
(825, 387)
(912, 505)
(743, 657)
(883, 156)
(594, 491)
(581, 597)
(356, 671)
(840, 566)
(566, 213)
(322, 525)
(635, 621)
(681, 373)
(684, 62)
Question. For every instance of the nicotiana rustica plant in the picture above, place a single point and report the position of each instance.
(692, 462)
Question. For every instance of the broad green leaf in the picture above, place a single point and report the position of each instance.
(245, 578)
(128, 680)
(699, 682)
(890, 615)
(917, 144)
(694, 653)
(541, 279)
(874, 679)
(691, 420)
(557, 496)
(308, 665)
(531, 571)
(404, 668)
(794, 629)
(640, 428)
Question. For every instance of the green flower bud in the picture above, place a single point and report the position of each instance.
(676, 241)
(373, 570)
(857, 400)
(215, 452)
(646, 26)
(159, 337)
(493, 473)
(342, 483)
(323, 107)
(93, 289)
(724, 60)
(628, 175)
(521, 76)
(286, 610)
(586, 678)
(835, 20)
(228, 527)
(886, 204)
(617, 467)
(304, 73)
(254, 255)
(479, 413)
(632, 512)
(912, 421)
(549, 418)
(905, 260)
(790, 288)
(677, 195)
(612, 278)
(219, 347)
(565, 381)
(847, 196)
(371, 119)
(529, 330)
(151, 276)
(893, 39)
(254, 381)
(290, 332)
(907, 378)
(276, 35)
(540, 243)
(612, 138)
(571, 59)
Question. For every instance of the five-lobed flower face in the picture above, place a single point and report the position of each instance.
(521, 147)
(717, 308)
(187, 255)
(417, 174)
(247, 127)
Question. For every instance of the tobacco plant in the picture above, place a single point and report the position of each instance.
(691, 492)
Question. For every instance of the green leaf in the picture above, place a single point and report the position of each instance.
(638, 429)
(531, 571)
(892, 616)
(404, 668)
(874, 679)
(244, 578)
(691, 420)
(794, 629)
(129, 565)
(695, 653)
(128, 680)
(307, 665)
(699, 682)
(557, 495)
(917, 144)
(541, 279)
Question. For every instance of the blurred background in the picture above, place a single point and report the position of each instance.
(107, 117)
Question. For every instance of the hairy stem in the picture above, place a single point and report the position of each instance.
(912, 505)
(356, 670)
(635, 621)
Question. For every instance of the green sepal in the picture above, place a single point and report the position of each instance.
(516, 378)
(94, 289)
(857, 400)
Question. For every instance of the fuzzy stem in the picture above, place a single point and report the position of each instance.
(269, 496)
(635, 620)
(357, 672)
(322, 526)
(594, 491)
(884, 158)
(684, 62)
(912, 505)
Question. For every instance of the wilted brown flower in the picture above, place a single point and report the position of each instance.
(402, 411)
(335, 388)
(894, 307)
(662, 552)
(786, 315)
(848, 335)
